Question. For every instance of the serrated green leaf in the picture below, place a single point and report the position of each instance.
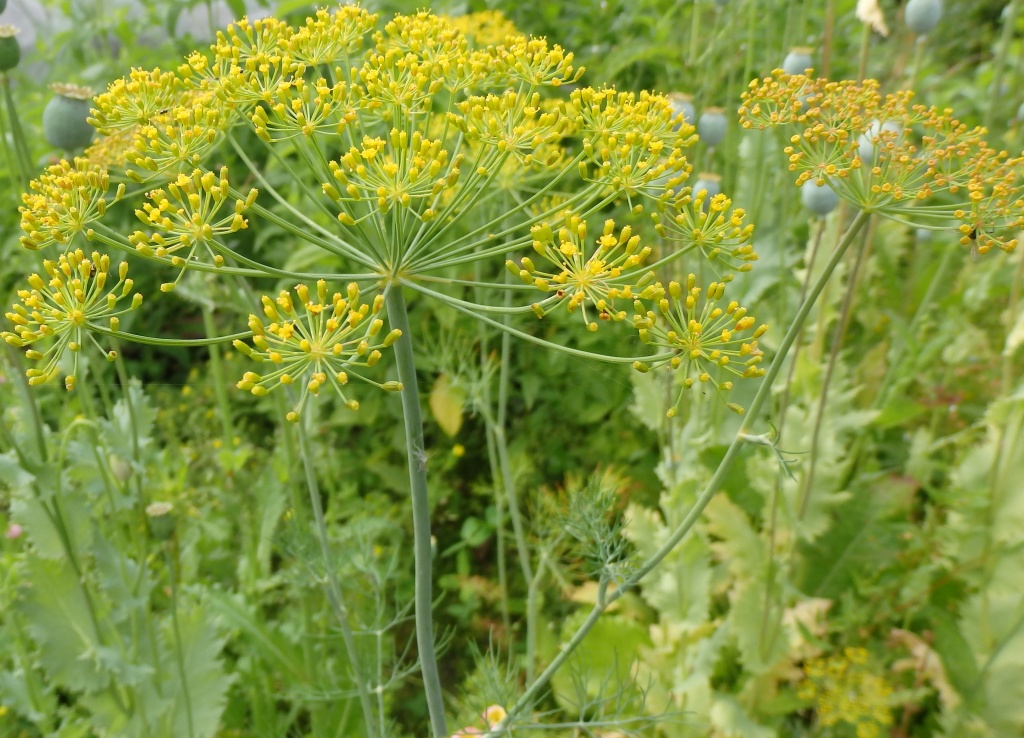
(57, 615)
(196, 704)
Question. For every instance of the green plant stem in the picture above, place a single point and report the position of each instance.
(334, 592)
(826, 40)
(21, 149)
(1012, 310)
(845, 313)
(604, 599)
(895, 368)
(299, 514)
(999, 63)
(179, 657)
(219, 383)
(406, 362)
(862, 60)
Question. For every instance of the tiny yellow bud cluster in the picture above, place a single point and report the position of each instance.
(187, 214)
(612, 271)
(886, 155)
(63, 202)
(698, 337)
(67, 306)
(483, 28)
(634, 143)
(844, 690)
(400, 172)
(331, 38)
(316, 342)
(304, 109)
(706, 223)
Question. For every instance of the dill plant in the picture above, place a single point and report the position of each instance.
(381, 144)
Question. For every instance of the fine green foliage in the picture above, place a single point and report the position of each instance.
(578, 489)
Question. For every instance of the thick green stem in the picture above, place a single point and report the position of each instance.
(763, 393)
(219, 384)
(334, 593)
(404, 358)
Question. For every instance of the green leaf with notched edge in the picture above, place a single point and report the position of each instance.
(57, 615)
(196, 704)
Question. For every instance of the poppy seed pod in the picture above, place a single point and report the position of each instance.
(922, 16)
(65, 123)
(711, 126)
(10, 50)
(682, 103)
(819, 199)
(709, 183)
(798, 60)
(866, 141)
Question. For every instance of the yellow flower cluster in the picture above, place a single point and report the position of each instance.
(711, 226)
(63, 203)
(186, 215)
(609, 273)
(887, 155)
(316, 343)
(407, 150)
(699, 337)
(66, 307)
(844, 690)
(484, 28)
(635, 143)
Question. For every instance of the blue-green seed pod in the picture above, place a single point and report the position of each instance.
(708, 183)
(923, 15)
(798, 60)
(819, 199)
(682, 103)
(65, 123)
(1020, 113)
(10, 49)
(711, 126)
(866, 141)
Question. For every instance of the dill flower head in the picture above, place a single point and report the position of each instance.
(187, 215)
(318, 342)
(483, 28)
(65, 307)
(884, 154)
(407, 150)
(64, 202)
(611, 271)
(844, 690)
(702, 340)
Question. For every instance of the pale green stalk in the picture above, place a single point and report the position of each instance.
(604, 599)
(334, 592)
(999, 63)
(845, 312)
(406, 363)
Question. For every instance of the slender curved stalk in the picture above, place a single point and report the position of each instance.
(334, 593)
(999, 63)
(178, 655)
(398, 316)
(845, 312)
(604, 599)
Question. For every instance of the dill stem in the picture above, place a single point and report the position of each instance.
(406, 363)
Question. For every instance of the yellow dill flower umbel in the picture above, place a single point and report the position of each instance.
(844, 690)
(67, 306)
(699, 338)
(316, 343)
(585, 277)
(887, 155)
(64, 202)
